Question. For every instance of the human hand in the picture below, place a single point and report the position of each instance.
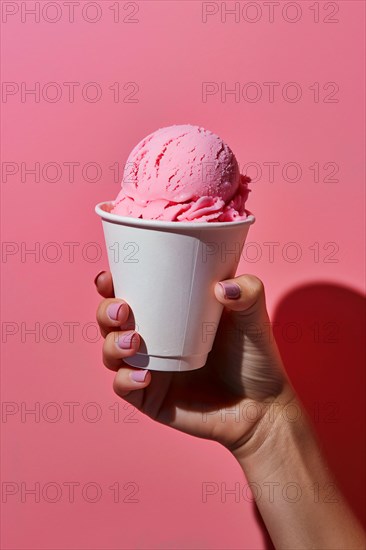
(227, 399)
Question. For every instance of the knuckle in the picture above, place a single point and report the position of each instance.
(254, 286)
(258, 286)
(118, 386)
(110, 342)
(100, 312)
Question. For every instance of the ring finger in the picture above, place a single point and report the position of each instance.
(118, 345)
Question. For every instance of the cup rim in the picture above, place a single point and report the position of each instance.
(100, 209)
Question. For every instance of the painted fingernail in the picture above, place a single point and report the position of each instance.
(125, 340)
(231, 290)
(96, 277)
(138, 375)
(113, 310)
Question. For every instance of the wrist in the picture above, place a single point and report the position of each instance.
(283, 420)
(292, 484)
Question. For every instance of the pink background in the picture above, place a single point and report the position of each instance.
(316, 301)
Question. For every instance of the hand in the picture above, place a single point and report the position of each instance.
(227, 399)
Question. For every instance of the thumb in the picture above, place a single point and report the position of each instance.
(245, 295)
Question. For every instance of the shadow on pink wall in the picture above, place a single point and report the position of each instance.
(320, 330)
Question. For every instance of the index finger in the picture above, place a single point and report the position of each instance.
(103, 282)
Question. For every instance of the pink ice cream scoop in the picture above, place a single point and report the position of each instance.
(182, 173)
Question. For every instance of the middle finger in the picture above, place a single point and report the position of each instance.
(112, 313)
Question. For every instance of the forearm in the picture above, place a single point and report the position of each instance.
(295, 493)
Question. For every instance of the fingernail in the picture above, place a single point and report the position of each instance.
(113, 310)
(138, 375)
(125, 340)
(231, 290)
(96, 277)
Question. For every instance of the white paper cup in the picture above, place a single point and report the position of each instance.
(166, 272)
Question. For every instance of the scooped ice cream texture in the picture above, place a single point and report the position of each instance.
(182, 173)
